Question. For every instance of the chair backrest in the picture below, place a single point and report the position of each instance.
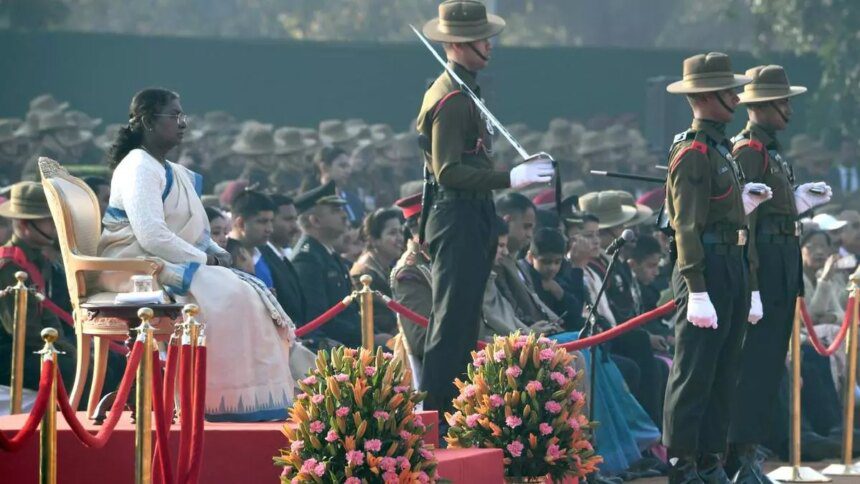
(75, 210)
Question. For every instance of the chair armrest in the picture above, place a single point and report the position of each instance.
(101, 264)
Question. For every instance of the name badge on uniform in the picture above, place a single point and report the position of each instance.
(722, 170)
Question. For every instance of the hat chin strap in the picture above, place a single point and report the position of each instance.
(723, 103)
(477, 52)
(41, 232)
(781, 114)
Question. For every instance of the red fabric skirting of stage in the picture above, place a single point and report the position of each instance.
(233, 453)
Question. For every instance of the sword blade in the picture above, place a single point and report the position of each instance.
(481, 106)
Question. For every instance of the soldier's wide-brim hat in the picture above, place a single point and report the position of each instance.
(254, 139)
(321, 195)
(7, 129)
(707, 73)
(463, 21)
(769, 83)
(608, 207)
(289, 140)
(333, 131)
(26, 201)
(643, 212)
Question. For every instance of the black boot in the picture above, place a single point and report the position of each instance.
(749, 461)
(711, 469)
(683, 471)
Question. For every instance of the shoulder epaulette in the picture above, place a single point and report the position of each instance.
(683, 136)
(444, 100)
(696, 145)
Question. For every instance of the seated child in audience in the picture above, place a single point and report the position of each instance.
(543, 262)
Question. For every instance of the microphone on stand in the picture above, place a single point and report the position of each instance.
(616, 245)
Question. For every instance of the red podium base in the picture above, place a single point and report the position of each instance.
(233, 453)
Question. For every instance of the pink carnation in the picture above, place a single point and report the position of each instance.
(316, 426)
(426, 454)
(573, 423)
(355, 457)
(341, 377)
(544, 340)
(515, 448)
(513, 421)
(545, 428)
(514, 371)
(496, 401)
(472, 420)
(369, 370)
(401, 388)
(311, 380)
(520, 342)
(390, 477)
(317, 399)
(388, 464)
(479, 361)
(499, 355)
(423, 478)
(373, 445)
(419, 421)
(342, 412)
(297, 445)
(534, 385)
(405, 434)
(570, 371)
(387, 356)
(547, 354)
(311, 466)
(552, 407)
(301, 396)
(576, 396)
(554, 452)
(380, 414)
(352, 480)
(331, 436)
(469, 391)
(404, 464)
(558, 377)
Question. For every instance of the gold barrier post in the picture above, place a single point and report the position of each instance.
(18, 335)
(794, 472)
(847, 468)
(192, 329)
(48, 432)
(143, 403)
(366, 303)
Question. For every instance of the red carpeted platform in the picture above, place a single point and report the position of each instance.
(233, 453)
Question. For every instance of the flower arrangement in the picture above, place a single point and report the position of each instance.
(521, 397)
(355, 423)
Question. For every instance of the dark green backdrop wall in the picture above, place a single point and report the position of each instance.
(300, 83)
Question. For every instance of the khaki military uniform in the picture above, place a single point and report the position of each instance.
(706, 211)
(457, 143)
(775, 271)
(411, 287)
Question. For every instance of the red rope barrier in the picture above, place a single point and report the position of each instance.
(185, 416)
(323, 318)
(15, 443)
(840, 336)
(616, 331)
(404, 311)
(193, 475)
(170, 366)
(99, 440)
(162, 469)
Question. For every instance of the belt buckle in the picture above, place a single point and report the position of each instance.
(742, 237)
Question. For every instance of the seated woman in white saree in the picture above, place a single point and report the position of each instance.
(155, 211)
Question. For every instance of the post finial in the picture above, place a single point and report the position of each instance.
(49, 335)
(21, 276)
(191, 310)
(366, 280)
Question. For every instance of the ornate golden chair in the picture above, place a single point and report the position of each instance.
(75, 210)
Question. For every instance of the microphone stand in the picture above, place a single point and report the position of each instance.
(589, 330)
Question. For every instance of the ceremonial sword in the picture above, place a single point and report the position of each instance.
(491, 118)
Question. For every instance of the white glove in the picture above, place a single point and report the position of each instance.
(804, 198)
(751, 200)
(700, 311)
(537, 169)
(756, 311)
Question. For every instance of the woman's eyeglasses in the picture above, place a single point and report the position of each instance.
(181, 118)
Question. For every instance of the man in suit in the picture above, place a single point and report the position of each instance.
(276, 252)
(323, 274)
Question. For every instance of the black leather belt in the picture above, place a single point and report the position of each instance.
(453, 194)
(736, 237)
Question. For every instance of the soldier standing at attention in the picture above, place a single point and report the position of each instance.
(707, 203)
(774, 256)
(457, 145)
